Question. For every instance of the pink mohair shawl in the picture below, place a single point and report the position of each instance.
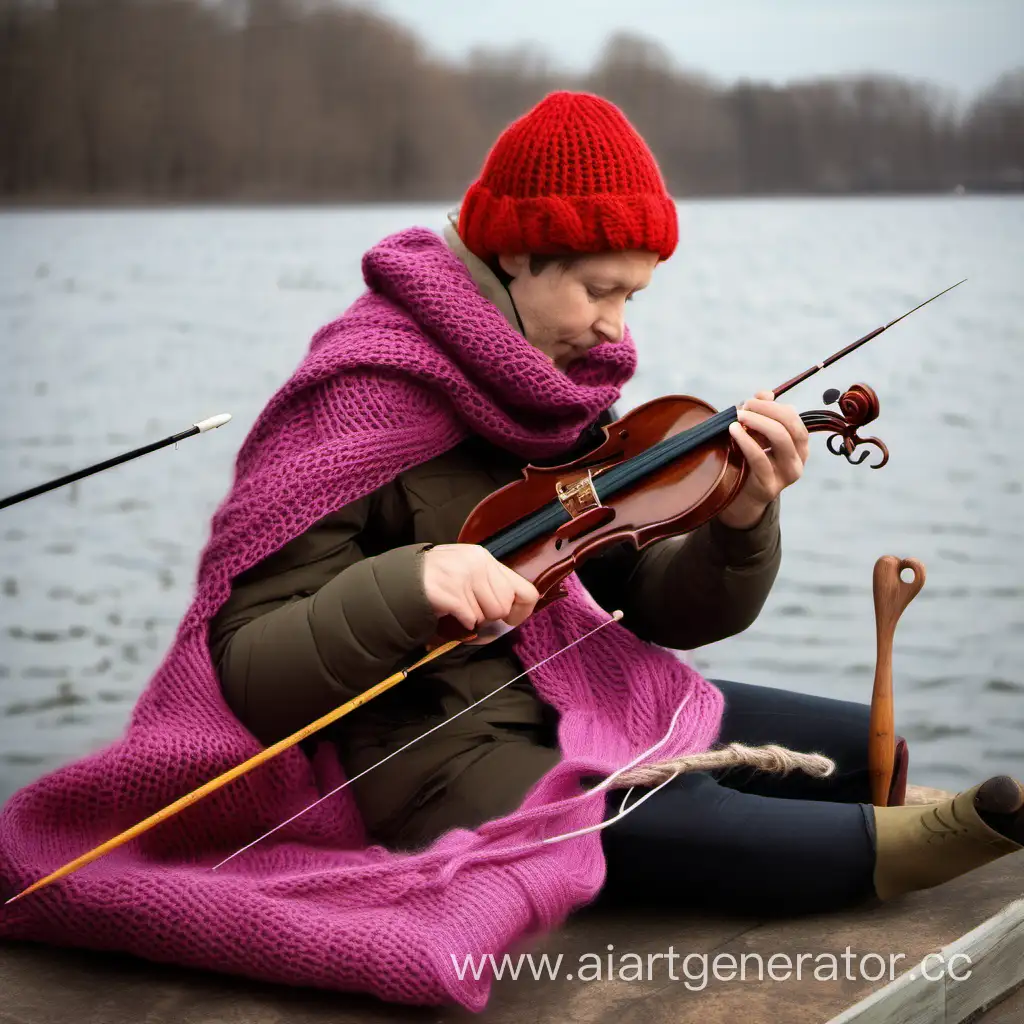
(420, 361)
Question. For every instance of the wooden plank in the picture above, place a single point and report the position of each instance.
(955, 983)
(993, 954)
(42, 985)
(909, 999)
(1007, 1011)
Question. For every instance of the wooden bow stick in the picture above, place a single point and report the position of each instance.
(892, 595)
(272, 751)
(233, 773)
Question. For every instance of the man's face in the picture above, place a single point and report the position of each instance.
(567, 311)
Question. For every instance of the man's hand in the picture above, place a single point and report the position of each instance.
(485, 595)
(769, 472)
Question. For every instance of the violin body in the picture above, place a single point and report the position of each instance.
(671, 500)
(570, 519)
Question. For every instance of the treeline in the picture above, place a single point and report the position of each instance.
(137, 100)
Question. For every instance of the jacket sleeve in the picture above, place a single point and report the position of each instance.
(685, 592)
(295, 658)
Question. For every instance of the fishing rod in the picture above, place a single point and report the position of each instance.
(197, 428)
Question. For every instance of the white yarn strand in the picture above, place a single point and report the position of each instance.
(337, 789)
(768, 758)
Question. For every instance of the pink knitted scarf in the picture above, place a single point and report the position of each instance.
(419, 362)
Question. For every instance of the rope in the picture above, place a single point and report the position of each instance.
(769, 758)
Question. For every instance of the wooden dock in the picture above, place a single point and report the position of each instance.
(980, 915)
(962, 980)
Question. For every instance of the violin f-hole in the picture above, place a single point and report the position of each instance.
(583, 523)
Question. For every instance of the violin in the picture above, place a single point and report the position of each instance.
(663, 469)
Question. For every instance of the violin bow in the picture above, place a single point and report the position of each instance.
(272, 751)
(836, 356)
(892, 594)
(233, 773)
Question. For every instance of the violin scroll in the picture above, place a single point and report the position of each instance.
(858, 406)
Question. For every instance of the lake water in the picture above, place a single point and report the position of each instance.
(119, 328)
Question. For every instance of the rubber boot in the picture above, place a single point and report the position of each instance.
(924, 846)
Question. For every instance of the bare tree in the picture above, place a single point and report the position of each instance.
(296, 99)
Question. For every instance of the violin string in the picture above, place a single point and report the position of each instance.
(614, 618)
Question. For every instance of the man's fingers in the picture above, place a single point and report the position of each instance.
(525, 594)
(759, 396)
(783, 464)
(757, 458)
(466, 581)
(784, 445)
(504, 596)
(461, 605)
(785, 414)
(495, 596)
(521, 610)
(470, 614)
(776, 432)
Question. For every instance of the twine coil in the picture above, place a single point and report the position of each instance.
(768, 758)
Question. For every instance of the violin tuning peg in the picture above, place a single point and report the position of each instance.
(831, 396)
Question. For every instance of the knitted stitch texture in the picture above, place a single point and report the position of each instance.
(418, 362)
(571, 175)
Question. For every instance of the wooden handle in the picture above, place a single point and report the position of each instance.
(892, 594)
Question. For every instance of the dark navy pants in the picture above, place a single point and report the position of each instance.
(753, 842)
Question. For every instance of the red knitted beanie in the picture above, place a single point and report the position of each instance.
(571, 175)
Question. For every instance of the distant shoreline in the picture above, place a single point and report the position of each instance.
(286, 102)
(71, 203)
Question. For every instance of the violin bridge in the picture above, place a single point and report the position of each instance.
(579, 497)
(586, 512)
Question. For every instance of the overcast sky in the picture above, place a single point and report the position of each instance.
(962, 44)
